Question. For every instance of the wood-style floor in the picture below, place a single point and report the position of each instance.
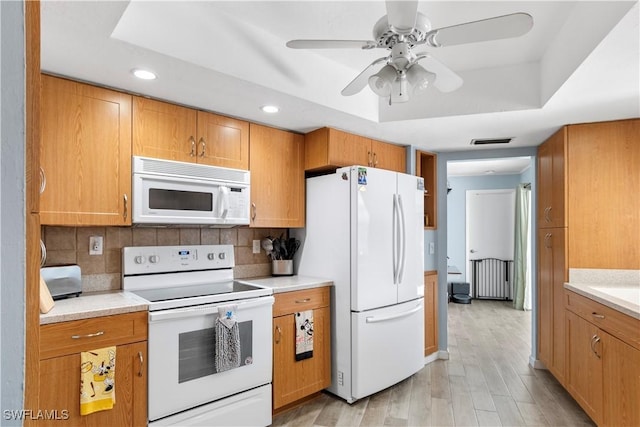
(487, 381)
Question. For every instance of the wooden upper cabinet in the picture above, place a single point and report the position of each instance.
(603, 184)
(328, 148)
(222, 141)
(552, 181)
(163, 130)
(85, 154)
(277, 178)
(389, 156)
(172, 132)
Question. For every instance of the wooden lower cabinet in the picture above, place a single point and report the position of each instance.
(59, 391)
(603, 368)
(430, 312)
(294, 380)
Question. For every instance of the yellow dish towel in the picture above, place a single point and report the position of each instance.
(97, 380)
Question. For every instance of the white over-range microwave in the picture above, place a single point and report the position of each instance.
(170, 192)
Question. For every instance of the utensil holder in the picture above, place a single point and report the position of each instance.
(282, 267)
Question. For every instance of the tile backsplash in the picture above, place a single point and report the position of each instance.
(70, 245)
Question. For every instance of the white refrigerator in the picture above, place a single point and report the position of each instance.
(364, 230)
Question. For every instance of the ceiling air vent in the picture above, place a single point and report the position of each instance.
(491, 141)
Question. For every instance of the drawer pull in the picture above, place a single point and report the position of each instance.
(597, 316)
(77, 337)
(141, 370)
(279, 336)
(302, 301)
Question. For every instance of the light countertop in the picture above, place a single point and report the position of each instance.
(93, 304)
(289, 283)
(617, 289)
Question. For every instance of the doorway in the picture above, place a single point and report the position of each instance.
(490, 225)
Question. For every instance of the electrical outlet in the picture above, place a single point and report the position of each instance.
(256, 246)
(95, 245)
(432, 248)
(340, 378)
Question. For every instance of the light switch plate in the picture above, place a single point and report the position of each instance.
(256, 246)
(432, 248)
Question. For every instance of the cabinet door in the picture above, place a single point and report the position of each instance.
(430, 313)
(277, 178)
(602, 161)
(621, 376)
(346, 149)
(222, 141)
(162, 130)
(60, 385)
(584, 370)
(389, 156)
(551, 181)
(85, 154)
(552, 274)
(293, 380)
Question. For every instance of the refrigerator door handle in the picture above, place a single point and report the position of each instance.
(394, 239)
(402, 260)
(376, 319)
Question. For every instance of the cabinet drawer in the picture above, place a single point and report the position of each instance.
(623, 327)
(59, 339)
(292, 302)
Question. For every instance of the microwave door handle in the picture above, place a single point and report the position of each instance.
(224, 201)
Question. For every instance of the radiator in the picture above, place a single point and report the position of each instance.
(492, 278)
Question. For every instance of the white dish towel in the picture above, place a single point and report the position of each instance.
(304, 334)
(227, 343)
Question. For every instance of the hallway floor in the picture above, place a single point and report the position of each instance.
(487, 381)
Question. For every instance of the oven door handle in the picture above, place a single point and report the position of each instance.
(202, 310)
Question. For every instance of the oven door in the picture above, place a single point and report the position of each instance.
(161, 199)
(182, 368)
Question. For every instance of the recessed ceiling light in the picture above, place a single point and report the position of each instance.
(270, 109)
(144, 74)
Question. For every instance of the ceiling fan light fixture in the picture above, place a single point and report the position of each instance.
(419, 78)
(381, 82)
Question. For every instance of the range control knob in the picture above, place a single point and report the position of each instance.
(139, 259)
(211, 256)
(154, 259)
(222, 255)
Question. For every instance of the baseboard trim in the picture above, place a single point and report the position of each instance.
(441, 354)
(535, 363)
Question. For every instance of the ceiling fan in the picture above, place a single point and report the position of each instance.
(402, 29)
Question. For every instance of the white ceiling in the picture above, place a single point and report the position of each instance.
(579, 63)
(503, 166)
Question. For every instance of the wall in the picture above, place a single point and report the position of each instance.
(456, 213)
(12, 211)
(70, 245)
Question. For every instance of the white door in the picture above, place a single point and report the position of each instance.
(372, 207)
(490, 225)
(411, 260)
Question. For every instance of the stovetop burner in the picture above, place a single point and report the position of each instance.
(182, 276)
(182, 292)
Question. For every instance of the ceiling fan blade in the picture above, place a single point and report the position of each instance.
(500, 27)
(446, 79)
(331, 44)
(401, 15)
(362, 79)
